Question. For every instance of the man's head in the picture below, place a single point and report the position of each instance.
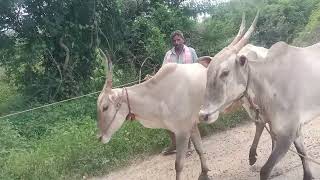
(177, 39)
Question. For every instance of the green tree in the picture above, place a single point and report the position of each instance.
(282, 21)
(310, 34)
(54, 51)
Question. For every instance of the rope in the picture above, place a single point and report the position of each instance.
(59, 102)
(293, 151)
(265, 126)
(308, 158)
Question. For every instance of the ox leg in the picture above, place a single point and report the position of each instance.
(172, 147)
(282, 145)
(196, 140)
(182, 145)
(272, 138)
(298, 143)
(272, 141)
(253, 149)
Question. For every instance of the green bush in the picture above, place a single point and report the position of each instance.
(10, 99)
(310, 34)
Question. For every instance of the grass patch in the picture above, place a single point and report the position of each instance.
(72, 151)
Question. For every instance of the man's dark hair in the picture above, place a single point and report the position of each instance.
(177, 33)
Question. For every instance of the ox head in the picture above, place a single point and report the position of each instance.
(227, 75)
(112, 107)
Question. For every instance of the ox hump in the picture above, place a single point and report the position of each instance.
(277, 50)
(164, 71)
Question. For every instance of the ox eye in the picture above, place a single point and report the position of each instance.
(105, 108)
(224, 73)
(118, 105)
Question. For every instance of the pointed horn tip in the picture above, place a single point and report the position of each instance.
(109, 73)
(254, 23)
(109, 58)
(242, 25)
(257, 15)
(243, 19)
(109, 65)
(243, 16)
(247, 35)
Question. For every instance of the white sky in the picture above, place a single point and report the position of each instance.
(203, 16)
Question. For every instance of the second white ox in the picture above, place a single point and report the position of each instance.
(283, 85)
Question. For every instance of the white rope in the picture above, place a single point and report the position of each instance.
(59, 102)
(293, 151)
(308, 158)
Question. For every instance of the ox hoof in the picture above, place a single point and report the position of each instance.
(204, 177)
(252, 158)
(189, 152)
(308, 177)
(169, 150)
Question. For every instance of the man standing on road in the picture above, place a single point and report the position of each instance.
(182, 54)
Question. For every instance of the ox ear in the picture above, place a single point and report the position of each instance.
(242, 60)
(253, 56)
(204, 60)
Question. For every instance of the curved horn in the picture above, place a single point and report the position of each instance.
(244, 40)
(237, 38)
(108, 83)
(241, 30)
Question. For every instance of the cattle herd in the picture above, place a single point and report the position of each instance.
(278, 87)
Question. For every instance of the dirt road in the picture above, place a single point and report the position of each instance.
(227, 155)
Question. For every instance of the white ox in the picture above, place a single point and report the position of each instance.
(247, 50)
(261, 52)
(170, 100)
(282, 85)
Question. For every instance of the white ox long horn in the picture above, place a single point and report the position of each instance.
(236, 39)
(108, 84)
(241, 31)
(244, 40)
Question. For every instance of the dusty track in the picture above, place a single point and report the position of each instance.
(227, 155)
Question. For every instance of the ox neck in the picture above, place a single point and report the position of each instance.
(258, 87)
(130, 116)
(141, 101)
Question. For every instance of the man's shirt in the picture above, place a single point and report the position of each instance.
(187, 56)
